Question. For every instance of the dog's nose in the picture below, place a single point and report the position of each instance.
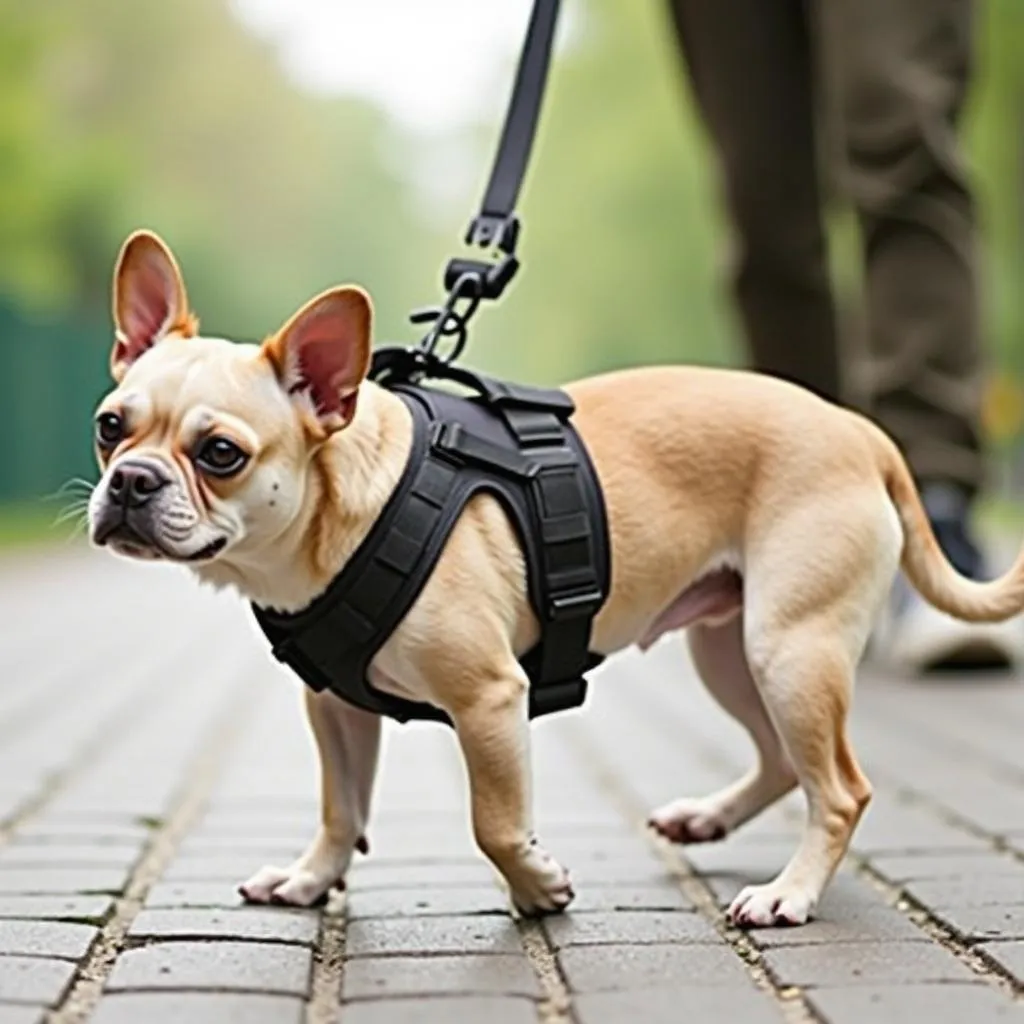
(132, 484)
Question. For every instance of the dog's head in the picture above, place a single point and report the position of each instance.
(206, 445)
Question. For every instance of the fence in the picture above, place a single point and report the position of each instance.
(52, 373)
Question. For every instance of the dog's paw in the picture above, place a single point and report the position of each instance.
(771, 905)
(689, 821)
(295, 886)
(540, 885)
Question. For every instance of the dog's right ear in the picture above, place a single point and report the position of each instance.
(149, 300)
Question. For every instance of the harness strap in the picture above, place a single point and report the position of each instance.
(364, 603)
(571, 578)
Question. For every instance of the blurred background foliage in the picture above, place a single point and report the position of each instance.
(115, 115)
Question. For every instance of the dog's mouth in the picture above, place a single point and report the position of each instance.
(211, 550)
(130, 541)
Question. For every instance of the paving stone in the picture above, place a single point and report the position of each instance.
(672, 1005)
(662, 896)
(292, 829)
(209, 867)
(618, 872)
(442, 1011)
(478, 899)
(990, 803)
(890, 826)
(634, 927)
(981, 890)
(45, 880)
(990, 922)
(194, 894)
(917, 867)
(423, 839)
(82, 830)
(609, 968)
(754, 862)
(862, 963)
(869, 923)
(77, 855)
(1009, 954)
(46, 938)
(419, 875)
(82, 908)
(255, 845)
(465, 934)
(197, 1008)
(21, 1014)
(279, 924)
(621, 844)
(942, 1003)
(29, 979)
(234, 966)
(558, 828)
(470, 974)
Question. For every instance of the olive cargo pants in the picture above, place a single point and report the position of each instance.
(862, 97)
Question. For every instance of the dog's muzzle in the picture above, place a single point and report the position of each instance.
(127, 513)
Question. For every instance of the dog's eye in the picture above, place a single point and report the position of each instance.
(220, 457)
(109, 429)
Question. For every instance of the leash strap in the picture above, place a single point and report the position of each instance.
(467, 280)
(496, 224)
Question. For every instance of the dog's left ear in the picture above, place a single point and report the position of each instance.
(149, 300)
(322, 355)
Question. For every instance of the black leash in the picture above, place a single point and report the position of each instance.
(470, 281)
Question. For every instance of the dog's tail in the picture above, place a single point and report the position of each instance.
(924, 562)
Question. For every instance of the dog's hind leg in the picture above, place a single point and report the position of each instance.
(807, 682)
(719, 656)
(806, 623)
(348, 741)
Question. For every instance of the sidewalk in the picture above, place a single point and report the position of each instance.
(152, 755)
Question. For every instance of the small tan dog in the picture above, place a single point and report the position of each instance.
(766, 521)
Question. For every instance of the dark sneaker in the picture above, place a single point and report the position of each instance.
(915, 637)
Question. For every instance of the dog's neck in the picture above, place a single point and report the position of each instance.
(348, 483)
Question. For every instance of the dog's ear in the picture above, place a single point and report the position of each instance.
(322, 354)
(149, 300)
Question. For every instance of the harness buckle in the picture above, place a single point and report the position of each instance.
(460, 446)
(288, 653)
(574, 604)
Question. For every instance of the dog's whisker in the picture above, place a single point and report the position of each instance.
(70, 513)
(75, 515)
(85, 487)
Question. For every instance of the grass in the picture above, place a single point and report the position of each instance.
(1001, 516)
(32, 524)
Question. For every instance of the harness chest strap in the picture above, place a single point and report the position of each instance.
(518, 445)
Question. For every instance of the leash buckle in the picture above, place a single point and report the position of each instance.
(494, 230)
(493, 277)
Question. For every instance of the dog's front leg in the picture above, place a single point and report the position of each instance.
(348, 741)
(494, 734)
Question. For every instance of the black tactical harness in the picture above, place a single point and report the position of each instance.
(517, 445)
(512, 442)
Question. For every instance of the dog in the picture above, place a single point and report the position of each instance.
(763, 520)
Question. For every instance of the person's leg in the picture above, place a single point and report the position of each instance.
(749, 63)
(902, 69)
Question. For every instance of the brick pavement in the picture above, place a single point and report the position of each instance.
(152, 755)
